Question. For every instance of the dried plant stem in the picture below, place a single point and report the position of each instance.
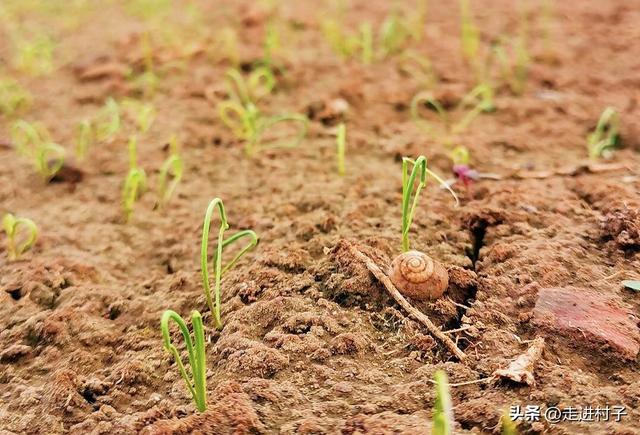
(413, 312)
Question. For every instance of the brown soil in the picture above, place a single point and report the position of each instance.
(311, 342)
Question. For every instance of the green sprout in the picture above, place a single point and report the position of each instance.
(480, 99)
(219, 271)
(34, 142)
(394, 35)
(12, 226)
(470, 33)
(408, 182)
(226, 47)
(48, 159)
(514, 73)
(260, 83)
(13, 97)
(144, 114)
(416, 21)
(271, 44)
(508, 426)
(418, 66)
(86, 138)
(108, 122)
(366, 43)
(391, 38)
(170, 173)
(26, 136)
(136, 182)
(148, 80)
(341, 145)
(34, 56)
(606, 136)
(196, 353)
(442, 409)
(342, 44)
(248, 124)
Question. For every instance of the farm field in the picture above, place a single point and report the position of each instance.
(499, 139)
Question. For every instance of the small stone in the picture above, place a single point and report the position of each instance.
(588, 317)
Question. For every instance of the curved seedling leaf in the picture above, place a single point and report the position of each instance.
(267, 124)
(26, 137)
(195, 350)
(239, 119)
(418, 67)
(217, 257)
(481, 100)
(425, 98)
(606, 135)
(12, 227)
(261, 83)
(49, 159)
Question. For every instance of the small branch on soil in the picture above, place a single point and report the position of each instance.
(475, 381)
(413, 312)
(451, 331)
(570, 171)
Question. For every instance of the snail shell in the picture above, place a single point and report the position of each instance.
(418, 276)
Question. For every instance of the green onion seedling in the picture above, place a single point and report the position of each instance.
(260, 83)
(12, 226)
(418, 66)
(170, 173)
(416, 21)
(48, 159)
(144, 114)
(136, 182)
(219, 270)
(196, 354)
(249, 125)
(26, 136)
(341, 145)
(34, 56)
(13, 98)
(470, 33)
(34, 142)
(108, 122)
(366, 43)
(442, 419)
(606, 136)
(271, 44)
(394, 35)
(85, 140)
(480, 99)
(514, 74)
(419, 167)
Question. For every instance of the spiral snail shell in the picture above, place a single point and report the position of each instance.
(418, 276)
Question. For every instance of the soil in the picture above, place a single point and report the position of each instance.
(311, 342)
